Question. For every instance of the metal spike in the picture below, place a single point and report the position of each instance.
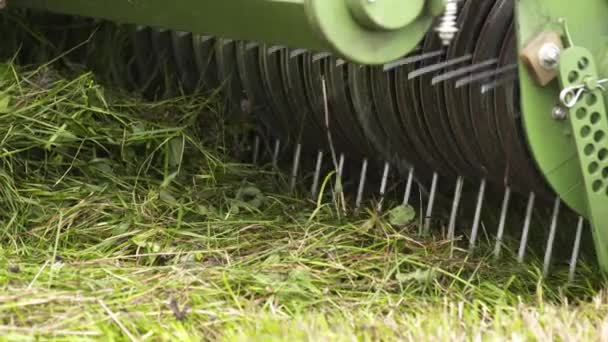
(477, 219)
(383, 183)
(314, 191)
(429, 209)
(256, 149)
(339, 185)
(502, 223)
(455, 207)
(408, 187)
(275, 154)
(251, 45)
(274, 49)
(295, 167)
(526, 230)
(341, 165)
(297, 52)
(551, 240)
(438, 66)
(576, 249)
(462, 71)
(483, 75)
(319, 56)
(362, 180)
(411, 59)
(487, 87)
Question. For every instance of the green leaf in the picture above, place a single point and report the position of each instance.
(419, 276)
(401, 215)
(5, 101)
(167, 197)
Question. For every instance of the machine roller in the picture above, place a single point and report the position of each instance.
(508, 95)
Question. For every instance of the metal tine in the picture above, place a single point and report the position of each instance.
(340, 62)
(438, 66)
(275, 154)
(487, 87)
(455, 207)
(251, 45)
(429, 209)
(526, 230)
(383, 183)
(226, 41)
(483, 75)
(477, 219)
(319, 56)
(362, 180)
(501, 225)
(462, 71)
(551, 240)
(256, 149)
(273, 49)
(314, 191)
(295, 167)
(576, 249)
(411, 59)
(408, 187)
(339, 172)
(297, 52)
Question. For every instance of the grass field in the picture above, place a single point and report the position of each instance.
(126, 220)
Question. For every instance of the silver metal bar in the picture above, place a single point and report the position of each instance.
(275, 154)
(551, 240)
(338, 185)
(455, 207)
(487, 87)
(501, 225)
(576, 249)
(314, 191)
(251, 45)
(526, 230)
(429, 209)
(383, 183)
(408, 187)
(274, 49)
(462, 71)
(295, 167)
(319, 56)
(483, 75)
(256, 149)
(297, 52)
(438, 66)
(411, 59)
(477, 219)
(362, 180)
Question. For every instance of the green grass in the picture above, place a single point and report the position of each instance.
(127, 220)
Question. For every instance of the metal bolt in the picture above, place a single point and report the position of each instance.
(559, 113)
(549, 55)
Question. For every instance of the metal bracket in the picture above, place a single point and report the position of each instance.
(583, 94)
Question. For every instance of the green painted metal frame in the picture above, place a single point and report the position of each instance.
(559, 147)
(364, 31)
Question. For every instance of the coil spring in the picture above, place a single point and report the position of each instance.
(448, 26)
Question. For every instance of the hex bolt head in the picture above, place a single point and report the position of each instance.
(549, 55)
(559, 113)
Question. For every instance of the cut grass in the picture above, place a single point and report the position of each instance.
(126, 220)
